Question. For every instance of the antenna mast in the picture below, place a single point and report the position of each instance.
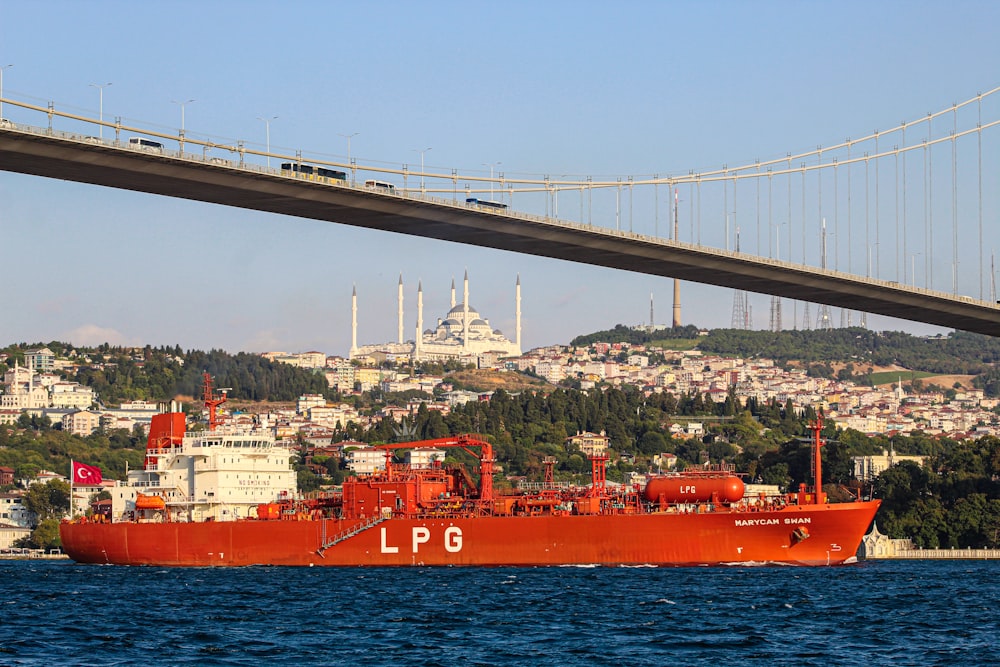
(993, 279)
(212, 401)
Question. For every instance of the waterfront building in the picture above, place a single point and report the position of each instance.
(867, 468)
(10, 533)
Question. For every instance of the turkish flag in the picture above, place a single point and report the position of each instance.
(85, 474)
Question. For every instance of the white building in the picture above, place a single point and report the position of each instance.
(40, 360)
(364, 460)
(81, 422)
(14, 513)
(462, 333)
(310, 359)
(23, 393)
(307, 401)
(71, 395)
(9, 533)
(340, 374)
(867, 468)
(424, 457)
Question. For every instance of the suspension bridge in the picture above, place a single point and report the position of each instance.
(840, 227)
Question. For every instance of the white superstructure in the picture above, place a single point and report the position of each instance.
(213, 475)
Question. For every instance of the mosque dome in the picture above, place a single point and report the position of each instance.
(458, 312)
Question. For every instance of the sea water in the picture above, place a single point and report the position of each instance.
(872, 613)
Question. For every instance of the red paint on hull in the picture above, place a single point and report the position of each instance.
(800, 535)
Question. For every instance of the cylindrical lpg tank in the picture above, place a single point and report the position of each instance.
(694, 488)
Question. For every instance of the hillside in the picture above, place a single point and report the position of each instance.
(971, 360)
(488, 380)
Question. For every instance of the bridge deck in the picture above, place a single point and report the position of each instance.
(190, 176)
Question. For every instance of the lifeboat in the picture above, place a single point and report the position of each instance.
(144, 502)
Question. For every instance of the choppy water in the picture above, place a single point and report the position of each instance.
(899, 613)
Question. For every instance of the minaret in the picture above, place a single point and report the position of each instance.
(453, 292)
(354, 321)
(517, 313)
(652, 322)
(400, 327)
(420, 321)
(465, 312)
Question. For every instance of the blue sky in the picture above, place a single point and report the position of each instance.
(582, 88)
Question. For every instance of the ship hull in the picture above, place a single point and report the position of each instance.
(798, 535)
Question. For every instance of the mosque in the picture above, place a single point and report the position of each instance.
(462, 333)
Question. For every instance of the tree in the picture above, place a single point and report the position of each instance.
(970, 520)
(651, 442)
(44, 536)
(776, 474)
(49, 500)
(308, 480)
(717, 451)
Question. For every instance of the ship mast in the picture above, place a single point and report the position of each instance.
(598, 475)
(816, 426)
(212, 401)
(550, 464)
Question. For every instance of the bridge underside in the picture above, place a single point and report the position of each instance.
(193, 179)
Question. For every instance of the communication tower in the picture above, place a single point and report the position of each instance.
(775, 313)
(741, 306)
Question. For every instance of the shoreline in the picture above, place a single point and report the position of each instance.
(939, 554)
(31, 554)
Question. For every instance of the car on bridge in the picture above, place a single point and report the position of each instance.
(309, 170)
(380, 185)
(145, 144)
(486, 203)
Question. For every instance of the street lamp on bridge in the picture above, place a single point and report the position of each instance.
(267, 135)
(349, 137)
(2, 68)
(777, 240)
(182, 105)
(873, 245)
(491, 165)
(354, 170)
(100, 109)
(417, 150)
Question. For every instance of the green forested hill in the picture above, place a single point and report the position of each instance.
(160, 374)
(959, 353)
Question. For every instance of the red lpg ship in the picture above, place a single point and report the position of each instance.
(221, 498)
